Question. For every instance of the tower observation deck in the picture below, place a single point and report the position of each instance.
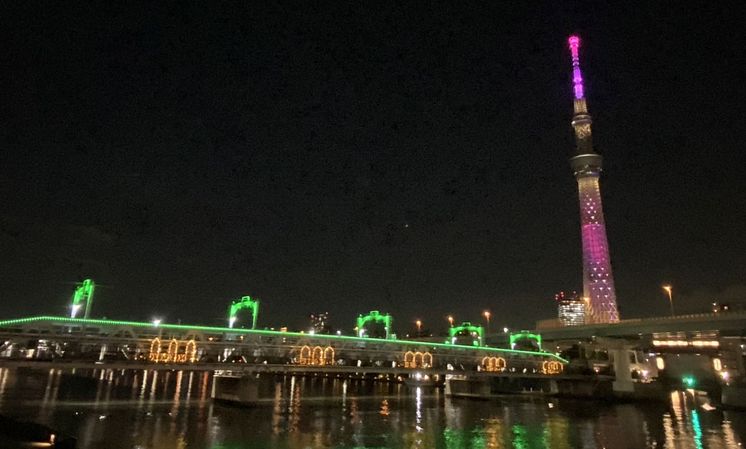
(586, 163)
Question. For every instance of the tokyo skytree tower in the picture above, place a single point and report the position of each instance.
(598, 280)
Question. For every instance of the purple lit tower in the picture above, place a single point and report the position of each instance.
(598, 281)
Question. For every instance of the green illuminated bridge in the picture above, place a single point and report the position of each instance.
(49, 341)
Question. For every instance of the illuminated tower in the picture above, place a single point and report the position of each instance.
(598, 281)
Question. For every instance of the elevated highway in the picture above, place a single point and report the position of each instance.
(724, 324)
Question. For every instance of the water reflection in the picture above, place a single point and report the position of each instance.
(172, 410)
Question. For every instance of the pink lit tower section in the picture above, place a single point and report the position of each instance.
(598, 281)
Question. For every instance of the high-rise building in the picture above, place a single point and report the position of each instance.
(598, 281)
(571, 309)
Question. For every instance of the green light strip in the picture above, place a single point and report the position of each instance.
(525, 335)
(226, 330)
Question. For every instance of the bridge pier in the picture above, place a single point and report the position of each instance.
(237, 388)
(623, 382)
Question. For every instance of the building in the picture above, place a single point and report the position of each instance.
(586, 163)
(571, 309)
(320, 323)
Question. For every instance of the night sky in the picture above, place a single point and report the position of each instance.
(350, 157)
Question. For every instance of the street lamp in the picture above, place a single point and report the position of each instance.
(487, 315)
(669, 290)
(450, 320)
(419, 327)
(156, 322)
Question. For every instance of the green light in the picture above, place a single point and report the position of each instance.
(524, 335)
(64, 321)
(83, 293)
(244, 303)
(520, 440)
(697, 428)
(469, 329)
(689, 381)
(376, 317)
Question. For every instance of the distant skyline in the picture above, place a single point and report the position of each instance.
(397, 158)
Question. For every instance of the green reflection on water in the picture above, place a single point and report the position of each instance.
(455, 439)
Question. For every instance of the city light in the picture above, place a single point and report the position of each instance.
(156, 322)
(487, 316)
(669, 289)
(572, 309)
(717, 364)
(660, 363)
(694, 343)
(689, 381)
(450, 320)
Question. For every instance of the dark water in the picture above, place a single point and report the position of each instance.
(172, 410)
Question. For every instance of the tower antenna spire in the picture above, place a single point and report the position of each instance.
(577, 76)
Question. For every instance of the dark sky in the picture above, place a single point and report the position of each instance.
(411, 159)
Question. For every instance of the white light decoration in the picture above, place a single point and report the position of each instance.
(717, 364)
(660, 363)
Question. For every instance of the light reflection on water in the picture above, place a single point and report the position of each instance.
(172, 410)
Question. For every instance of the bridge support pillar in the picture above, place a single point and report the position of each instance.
(553, 387)
(240, 389)
(623, 381)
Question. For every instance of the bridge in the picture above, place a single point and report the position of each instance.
(730, 324)
(78, 342)
(626, 357)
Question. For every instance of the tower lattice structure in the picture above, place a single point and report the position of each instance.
(586, 163)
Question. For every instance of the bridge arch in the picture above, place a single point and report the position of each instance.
(173, 350)
(172, 354)
(418, 359)
(155, 350)
(427, 360)
(191, 351)
(246, 302)
(316, 356)
(494, 364)
(83, 298)
(376, 317)
(552, 367)
(305, 355)
(329, 355)
(473, 333)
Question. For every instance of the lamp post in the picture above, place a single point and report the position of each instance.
(669, 290)
(487, 315)
(450, 320)
(419, 327)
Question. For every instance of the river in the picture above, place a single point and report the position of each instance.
(173, 410)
